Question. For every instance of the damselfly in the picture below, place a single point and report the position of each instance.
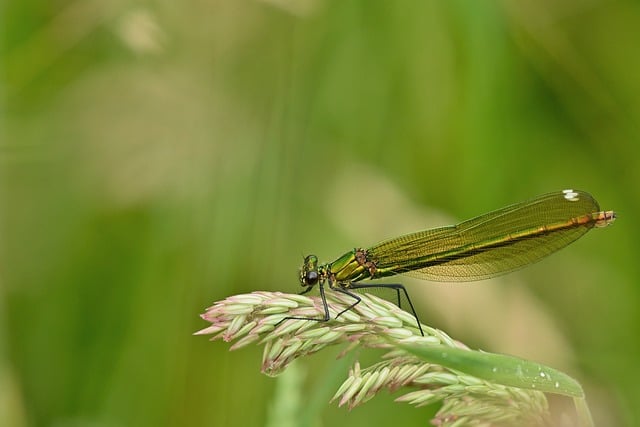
(483, 247)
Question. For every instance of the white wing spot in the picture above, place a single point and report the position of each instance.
(571, 195)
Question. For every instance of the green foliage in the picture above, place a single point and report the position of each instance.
(158, 156)
(472, 388)
(500, 368)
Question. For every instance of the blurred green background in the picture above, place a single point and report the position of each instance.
(158, 156)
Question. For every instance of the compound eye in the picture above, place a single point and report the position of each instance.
(311, 278)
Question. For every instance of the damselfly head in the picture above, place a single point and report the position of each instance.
(309, 275)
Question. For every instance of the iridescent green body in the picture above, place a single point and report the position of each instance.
(486, 246)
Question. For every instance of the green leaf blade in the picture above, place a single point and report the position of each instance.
(499, 368)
